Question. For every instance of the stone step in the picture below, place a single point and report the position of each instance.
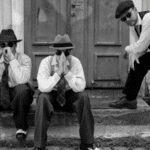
(100, 99)
(68, 136)
(113, 127)
(139, 116)
(73, 148)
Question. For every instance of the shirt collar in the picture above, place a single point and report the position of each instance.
(139, 21)
(54, 61)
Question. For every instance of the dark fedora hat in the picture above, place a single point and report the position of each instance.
(123, 8)
(8, 35)
(62, 42)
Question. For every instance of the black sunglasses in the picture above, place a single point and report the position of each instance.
(66, 52)
(9, 44)
(123, 19)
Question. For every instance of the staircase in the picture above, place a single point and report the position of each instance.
(112, 126)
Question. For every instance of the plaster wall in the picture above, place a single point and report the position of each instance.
(12, 16)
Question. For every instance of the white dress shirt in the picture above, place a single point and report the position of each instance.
(48, 78)
(141, 44)
(19, 69)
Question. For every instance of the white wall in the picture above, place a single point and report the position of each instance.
(146, 5)
(12, 16)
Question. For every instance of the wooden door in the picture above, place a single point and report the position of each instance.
(44, 19)
(98, 37)
(107, 38)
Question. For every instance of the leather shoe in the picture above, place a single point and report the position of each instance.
(21, 139)
(124, 103)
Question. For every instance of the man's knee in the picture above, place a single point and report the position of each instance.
(84, 94)
(42, 98)
(22, 89)
(44, 103)
(84, 97)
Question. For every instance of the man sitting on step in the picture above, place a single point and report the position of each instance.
(138, 53)
(61, 82)
(15, 72)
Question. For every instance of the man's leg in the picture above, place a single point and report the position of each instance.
(42, 117)
(81, 105)
(146, 98)
(133, 84)
(21, 100)
(148, 82)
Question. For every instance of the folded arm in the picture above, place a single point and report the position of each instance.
(21, 70)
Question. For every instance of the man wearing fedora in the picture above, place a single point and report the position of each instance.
(137, 52)
(15, 71)
(66, 70)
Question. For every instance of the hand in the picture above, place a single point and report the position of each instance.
(132, 59)
(8, 55)
(66, 68)
(125, 55)
(61, 61)
(60, 69)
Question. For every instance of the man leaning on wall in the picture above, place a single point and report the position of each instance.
(137, 52)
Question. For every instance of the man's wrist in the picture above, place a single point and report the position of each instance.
(12, 59)
(59, 72)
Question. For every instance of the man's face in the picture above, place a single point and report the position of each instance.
(131, 17)
(7, 46)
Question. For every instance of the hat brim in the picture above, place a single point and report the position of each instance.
(63, 48)
(10, 40)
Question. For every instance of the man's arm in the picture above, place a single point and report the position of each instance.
(46, 82)
(21, 69)
(141, 45)
(75, 76)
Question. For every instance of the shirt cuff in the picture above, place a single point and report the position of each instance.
(56, 77)
(69, 76)
(129, 49)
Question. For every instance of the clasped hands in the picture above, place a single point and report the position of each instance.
(8, 55)
(62, 65)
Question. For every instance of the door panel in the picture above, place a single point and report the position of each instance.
(99, 38)
(48, 18)
(106, 67)
(77, 29)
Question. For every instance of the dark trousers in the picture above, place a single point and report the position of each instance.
(21, 99)
(75, 102)
(135, 77)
